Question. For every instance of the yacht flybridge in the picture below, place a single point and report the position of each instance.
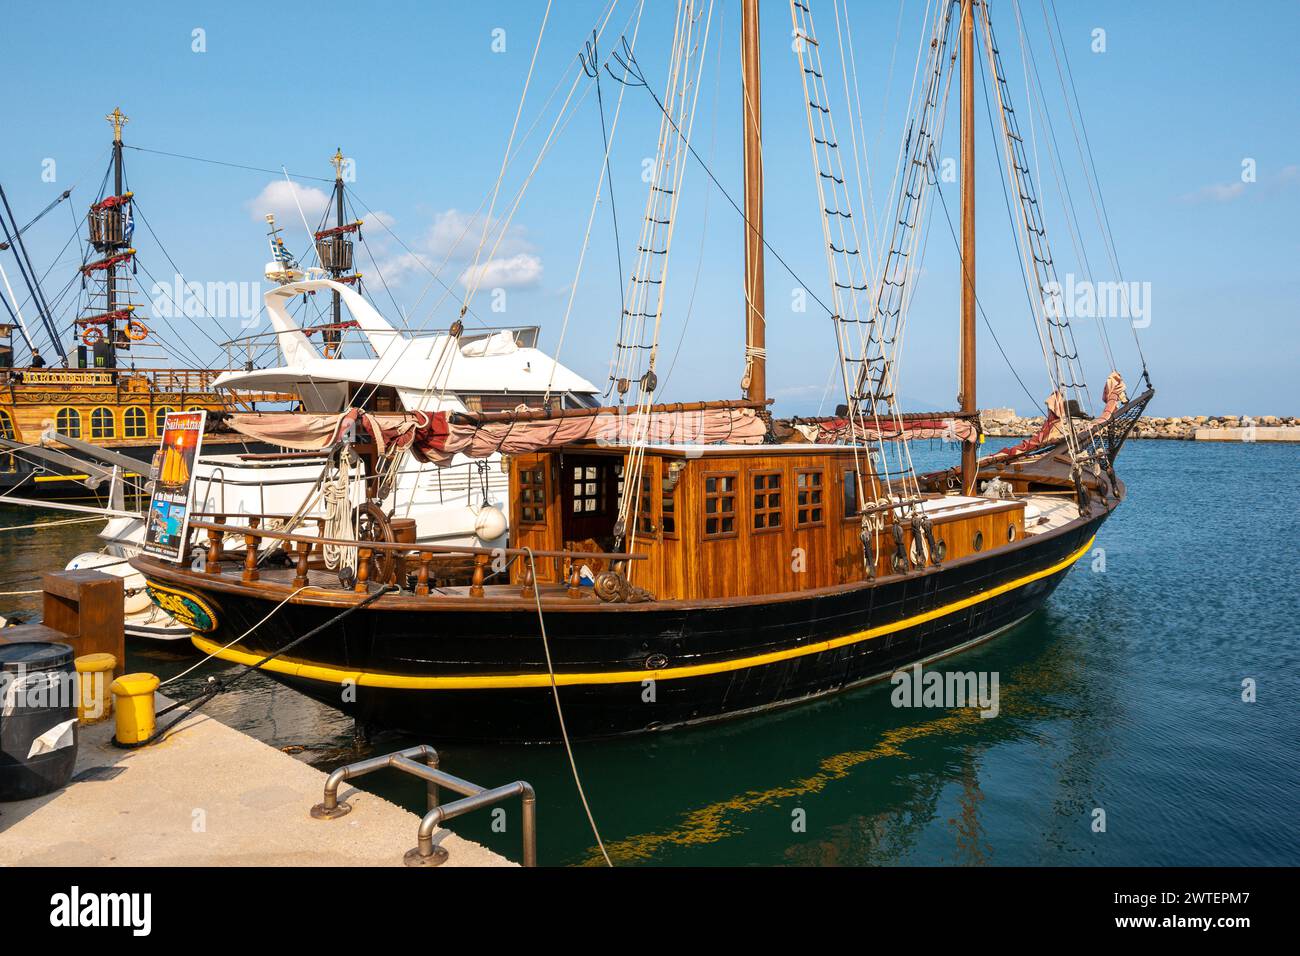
(487, 370)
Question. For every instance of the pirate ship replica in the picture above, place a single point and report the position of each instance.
(733, 572)
(113, 390)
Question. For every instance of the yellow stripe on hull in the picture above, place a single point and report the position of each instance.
(336, 675)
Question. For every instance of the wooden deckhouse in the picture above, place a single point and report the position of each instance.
(718, 522)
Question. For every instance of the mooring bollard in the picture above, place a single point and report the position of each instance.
(94, 675)
(133, 706)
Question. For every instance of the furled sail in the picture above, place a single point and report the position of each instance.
(437, 436)
(836, 431)
(1114, 393)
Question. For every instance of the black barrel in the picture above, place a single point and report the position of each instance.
(37, 694)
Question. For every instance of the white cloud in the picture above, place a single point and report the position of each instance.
(1227, 192)
(1217, 192)
(455, 235)
(398, 267)
(278, 199)
(513, 272)
(453, 238)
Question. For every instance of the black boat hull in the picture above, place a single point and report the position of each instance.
(455, 673)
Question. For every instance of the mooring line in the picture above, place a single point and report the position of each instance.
(215, 686)
(559, 712)
(49, 524)
(209, 657)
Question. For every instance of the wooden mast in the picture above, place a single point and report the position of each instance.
(337, 160)
(754, 382)
(966, 395)
(118, 119)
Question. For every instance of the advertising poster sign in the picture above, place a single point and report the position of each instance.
(173, 485)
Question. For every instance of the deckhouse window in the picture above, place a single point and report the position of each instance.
(101, 423)
(160, 419)
(68, 422)
(850, 494)
(588, 490)
(645, 518)
(809, 507)
(766, 489)
(719, 505)
(668, 479)
(532, 494)
(134, 423)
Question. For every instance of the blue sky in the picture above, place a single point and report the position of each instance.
(1181, 97)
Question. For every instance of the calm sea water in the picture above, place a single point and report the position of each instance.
(1124, 695)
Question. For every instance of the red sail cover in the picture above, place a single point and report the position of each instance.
(433, 437)
(838, 431)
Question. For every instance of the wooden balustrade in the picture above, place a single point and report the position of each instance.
(300, 570)
(480, 570)
(305, 547)
(422, 576)
(250, 558)
(213, 564)
(363, 570)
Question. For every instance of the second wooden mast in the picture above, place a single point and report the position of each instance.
(966, 395)
(754, 382)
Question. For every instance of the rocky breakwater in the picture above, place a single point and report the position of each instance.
(1004, 423)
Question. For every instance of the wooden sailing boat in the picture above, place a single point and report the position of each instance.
(102, 392)
(732, 573)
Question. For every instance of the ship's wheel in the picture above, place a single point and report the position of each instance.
(373, 525)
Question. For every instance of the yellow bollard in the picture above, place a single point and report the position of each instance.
(133, 704)
(94, 674)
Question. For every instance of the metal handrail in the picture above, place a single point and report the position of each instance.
(474, 798)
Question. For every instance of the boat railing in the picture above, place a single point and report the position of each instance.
(308, 548)
(248, 350)
(188, 380)
(182, 380)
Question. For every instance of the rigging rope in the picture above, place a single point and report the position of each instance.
(1064, 367)
(473, 273)
(1099, 199)
(218, 162)
(658, 230)
(604, 173)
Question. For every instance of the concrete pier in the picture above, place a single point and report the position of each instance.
(1259, 433)
(207, 795)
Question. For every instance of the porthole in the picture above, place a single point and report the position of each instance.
(940, 549)
(1011, 532)
(978, 543)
